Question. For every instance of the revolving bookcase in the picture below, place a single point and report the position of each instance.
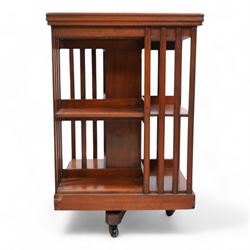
(126, 178)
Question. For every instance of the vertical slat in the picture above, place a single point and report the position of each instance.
(59, 98)
(94, 97)
(104, 96)
(72, 96)
(158, 89)
(161, 118)
(147, 44)
(191, 111)
(177, 102)
(56, 103)
(83, 96)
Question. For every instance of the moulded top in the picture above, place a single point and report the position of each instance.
(124, 19)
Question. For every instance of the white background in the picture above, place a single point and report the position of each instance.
(222, 136)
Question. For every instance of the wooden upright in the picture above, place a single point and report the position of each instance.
(123, 180)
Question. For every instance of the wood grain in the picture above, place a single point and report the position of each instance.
(147, 50)
(124, 201)
(94, 94)
(161, 117)
(83, 96)
(177, 98)
(72, 96)
(191, 112)
(123, 82)
(122, 180)
(123, 19)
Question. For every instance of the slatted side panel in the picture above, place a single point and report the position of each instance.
(83, 96)
(191, 111)
(147, 44)
(161, 117)
(56, 103)
(177, 103)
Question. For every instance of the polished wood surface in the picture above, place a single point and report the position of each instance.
(83, 96)
(124, 19)
(72, 96)
(123, 201)
(101, 113)
(100, 185)
(115, 181)
(97, 168)
(122, 80)
(125, 179)
(94, 95)
(191, 113)
(147, 99)
(161, 113)
(177, 104)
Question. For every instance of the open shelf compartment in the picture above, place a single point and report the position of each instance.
(113, 108)
(95, 177)
(169, 107)
(101, 108)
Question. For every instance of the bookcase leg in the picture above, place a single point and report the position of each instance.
(113, 218)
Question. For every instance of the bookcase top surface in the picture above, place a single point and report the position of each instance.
(124, 19)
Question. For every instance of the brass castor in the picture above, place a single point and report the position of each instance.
(113, 229)
(170, 212)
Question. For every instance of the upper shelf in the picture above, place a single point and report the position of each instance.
(112, 108)
(102, 113)
(101, 108)
(124, 19)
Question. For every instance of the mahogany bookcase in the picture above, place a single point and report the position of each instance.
(126, 179)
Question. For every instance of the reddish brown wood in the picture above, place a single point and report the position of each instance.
(100, 185)
(72, 96)
(123, 201)
(101, 113)
(64, 33)
(122, 181)
(169, 107)
(123, 137)
(97, 168)
(123, 19)
(110, 108)
(56, 103)
(83, 96)
(93, 55)
(147, 43)
(161, 117)
(121, 44)
(191, 112)
(177, 94)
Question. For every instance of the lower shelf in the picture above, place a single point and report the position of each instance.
(97, 178)
(98, 187)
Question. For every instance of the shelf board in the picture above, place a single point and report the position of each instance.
(90, 164)
(97, 168)
(100, 185)
(117, 184)
(101, 108)
(169, 106)
(169, 110)
(109, 113)
(112, 108)
(95, 113)
(168, 177)
(77, 180)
